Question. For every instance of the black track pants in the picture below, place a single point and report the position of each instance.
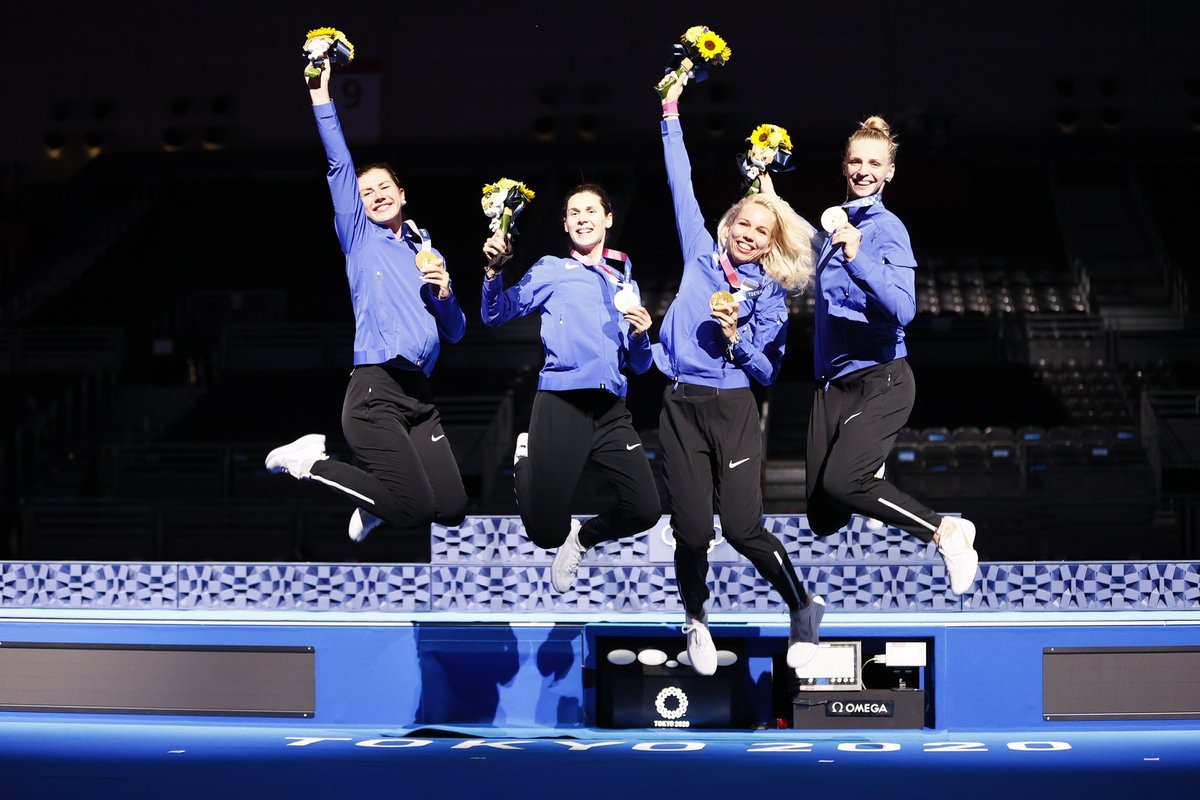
(851, 430)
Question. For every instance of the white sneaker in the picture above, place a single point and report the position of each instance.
(362, 523)
(297, 458)
(956, 543)
(700, 648)
(805, 633)
(522, 447)
(566, 560)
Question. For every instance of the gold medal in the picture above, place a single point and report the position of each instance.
(427, 260)
(721, 298)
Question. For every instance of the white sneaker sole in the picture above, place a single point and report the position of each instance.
(801, 653)
(277, 458)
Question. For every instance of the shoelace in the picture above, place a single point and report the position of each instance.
(573, 558)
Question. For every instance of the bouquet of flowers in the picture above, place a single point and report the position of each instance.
(698, 49)
(770, 150)
(503, 201)
(322, 43)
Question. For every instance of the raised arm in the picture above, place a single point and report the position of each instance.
(694, 240)
(350, 218)
(318, 87)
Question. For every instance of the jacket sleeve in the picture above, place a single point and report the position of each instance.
(694, 240)
(349, 217)
(499, 305)
(885, 270)
(448, 314)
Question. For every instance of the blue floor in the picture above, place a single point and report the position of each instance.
(144, 759)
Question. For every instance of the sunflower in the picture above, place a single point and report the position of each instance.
(762, 136)
(336, 36)
(711, 46)
(502, 201)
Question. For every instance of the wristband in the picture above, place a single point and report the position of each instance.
(670, 108)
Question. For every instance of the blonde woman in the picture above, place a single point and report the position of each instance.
(865, 295)
(711, 348)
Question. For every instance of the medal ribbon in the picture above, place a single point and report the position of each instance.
(615, 255)
(420, 233)
(730, 273)
(869, 200)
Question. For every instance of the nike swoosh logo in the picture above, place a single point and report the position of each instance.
(571, 265)
(735, 464)
(852, 416)
(437, 438)
(633, 446)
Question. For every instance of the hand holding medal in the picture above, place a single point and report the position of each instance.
(323, 43)
(627, 301)
(836, 223)
(724, 307)
(433, 272)
(431, 265)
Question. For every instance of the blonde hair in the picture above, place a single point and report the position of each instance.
(876, 129)
(789, 260)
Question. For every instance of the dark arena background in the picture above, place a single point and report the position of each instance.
(175, 622)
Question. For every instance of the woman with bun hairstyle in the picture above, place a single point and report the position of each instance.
(593, 327)
(726, 327)
(865, 296)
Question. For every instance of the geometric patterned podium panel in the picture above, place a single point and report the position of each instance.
(489, 565)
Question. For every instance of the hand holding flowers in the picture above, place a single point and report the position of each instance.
(698, 49)
(770, 151)
(325, 43)
(502, 201)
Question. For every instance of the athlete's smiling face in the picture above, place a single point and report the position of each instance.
(750, 233)
(586, 221)
(867, 167)
(381, 197)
